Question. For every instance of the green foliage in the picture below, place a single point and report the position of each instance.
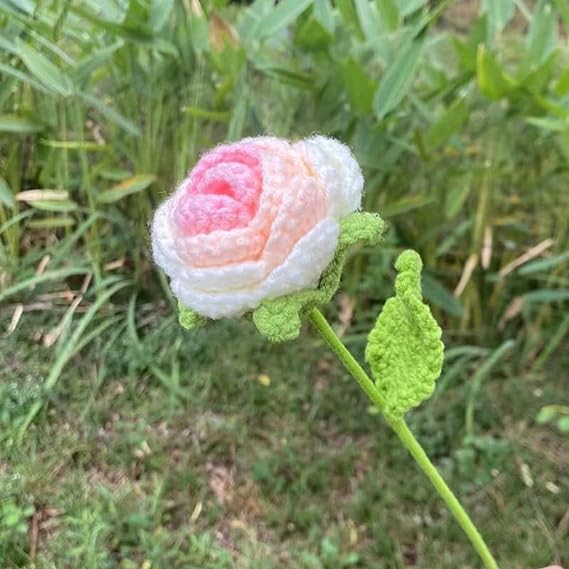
(14, 517)
(481, 374)
(183, 457)
(557, 414)
(397, 79)
(461, 136)
(404, 349)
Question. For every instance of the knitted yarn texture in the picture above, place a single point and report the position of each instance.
(404, 349)
(255, 220)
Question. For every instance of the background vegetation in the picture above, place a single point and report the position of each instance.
(125, 442)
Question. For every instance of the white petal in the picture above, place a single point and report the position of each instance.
(163, 241)
(301, 270)
(339, 171)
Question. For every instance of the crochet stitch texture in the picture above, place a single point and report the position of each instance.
(255, 220)
(404, 348)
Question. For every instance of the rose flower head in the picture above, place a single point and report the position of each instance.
(259, 220)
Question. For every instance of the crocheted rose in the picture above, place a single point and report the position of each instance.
(254, 220)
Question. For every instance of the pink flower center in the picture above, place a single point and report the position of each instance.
(222, 191)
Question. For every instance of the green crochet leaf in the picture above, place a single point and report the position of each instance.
(361, 227)
(404, 348)
(188, 318)
(280, 319)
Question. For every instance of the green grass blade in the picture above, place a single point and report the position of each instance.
(24, 77)
(56, 275)
(126, 188)
(284, 14)
(542, 265)
(398, 79)
(476, 383)
(111, 114)
(76, 342)
(6, 196)
(46, 72)
(19, 124)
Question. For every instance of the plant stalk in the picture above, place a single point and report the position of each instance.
(405, 436)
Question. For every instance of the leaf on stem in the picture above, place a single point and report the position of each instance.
(404, 348)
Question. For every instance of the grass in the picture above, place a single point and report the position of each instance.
(126, 442)
(244, 454)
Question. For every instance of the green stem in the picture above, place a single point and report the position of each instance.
(405, 436)
(452, 502)
(93, 241)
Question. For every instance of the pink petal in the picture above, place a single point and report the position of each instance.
(202, 214)
(222, 191)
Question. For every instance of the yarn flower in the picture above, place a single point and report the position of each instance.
(260, 226)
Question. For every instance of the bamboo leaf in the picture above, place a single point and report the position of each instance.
(397, 79)
(492, 80)
(111, 114)
(499, 13)
(407, 7)
(549, 123)
(86, 66)
(562, 84)
(542, 36)
(43, 194)
(389, 13)
(126, 188)
(546, 295)
(75, 145)
(324, 14)
(541, 265)
(348, 14)
(456, 196)
(311, 35)
(284, 14)
(437, 294)
(160, 13)
(62, 206)
(6, 196)
(406, 204)
(368, 19)
(199, 33)
(448, 124)
(359, 86)
(19, 125)
(51, 222)
(46, 72)
(22, 76)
